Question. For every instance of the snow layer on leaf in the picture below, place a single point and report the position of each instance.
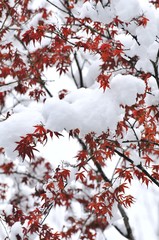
(147, 35)
(153, 98)
(152, 83)
(126, 13)
(86, 109)
(92, 109)
(89, 11)
(96, 12)
(146, 47)
(130, 136)
(16, 231)
(116, 215)
(60, 115)
(93, 72)
(144, 65)
(18, 125)
(151, 51)
(125, 88)
(128, 42)
(99, 112)
(10, 84)
(33, 5)
(135, 157)
(105, 14)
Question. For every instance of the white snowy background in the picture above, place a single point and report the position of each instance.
(91, 109)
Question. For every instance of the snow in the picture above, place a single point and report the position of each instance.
(8, 209)
(116, 215)
(143, 214)
(104, 14)
(112, 233)
(96, 12)
(153, 98)
(145, 49)
(16, 231)
(33, 5)
(128, 12)
(125, 88)
(83, 109)
(150, 31)
(92, 109)
(16, 126)
(88, 11)
(151, 52)
(61, 115)
(136, 158)
(144, 65)
(9, 84)
(93, 72)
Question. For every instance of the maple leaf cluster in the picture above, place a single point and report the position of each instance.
(33, 39)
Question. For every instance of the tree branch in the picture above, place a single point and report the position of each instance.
(139, 166)
(79, 70)
(126, 222)
(24, 174)
(121, 209)
(40, 81)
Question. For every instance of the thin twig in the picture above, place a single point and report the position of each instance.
(25, 174)
(126, 222)
(57, 7)
(139, 166)
(40, 81)
(5, 228)
(138, 143)
(79, 70)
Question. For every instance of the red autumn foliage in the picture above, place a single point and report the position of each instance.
(33, 192)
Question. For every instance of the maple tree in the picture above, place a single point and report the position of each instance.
(110, 57)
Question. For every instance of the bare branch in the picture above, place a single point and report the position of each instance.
(139, 166)
(126, 222)
(79, 70)
(24, 174)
